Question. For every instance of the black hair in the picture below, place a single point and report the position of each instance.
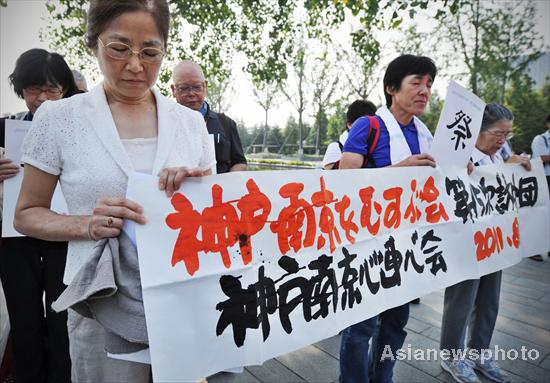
(493, 113)
(403, 66)
(102, 12)
(37, 67)
(548, 118)
(359, 108)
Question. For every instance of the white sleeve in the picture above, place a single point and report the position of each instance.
(538, 146)
(41, 146)
(332, 154)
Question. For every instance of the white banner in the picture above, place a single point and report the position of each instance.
(239, 268)
(15, 133)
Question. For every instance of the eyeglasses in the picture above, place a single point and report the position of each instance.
(185, 90)
(501, 134)
(121, 51)
(49, 90)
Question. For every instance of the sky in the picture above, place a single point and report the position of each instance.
(22, 20)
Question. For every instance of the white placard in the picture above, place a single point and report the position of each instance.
(15, 133)
(458, 127)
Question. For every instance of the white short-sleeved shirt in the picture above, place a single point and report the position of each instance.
(334, 153)
(541, 147)
(76, 139)
(479, 158)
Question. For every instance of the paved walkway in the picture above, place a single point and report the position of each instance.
(524, 320)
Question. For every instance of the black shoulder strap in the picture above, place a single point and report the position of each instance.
(340, 145)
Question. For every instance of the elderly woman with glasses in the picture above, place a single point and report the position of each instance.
(93, 142)
(31, 269)
(474, 303)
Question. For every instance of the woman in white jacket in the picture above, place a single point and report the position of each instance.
(93, 142)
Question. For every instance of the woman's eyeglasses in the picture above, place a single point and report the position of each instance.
(49, 90)
(501, 134)
(121, 51)
(185, 90)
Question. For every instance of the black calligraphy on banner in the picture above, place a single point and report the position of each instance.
(483, 198)
(321, 293)
(461, 129)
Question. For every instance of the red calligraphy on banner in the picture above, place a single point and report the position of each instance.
(346, 222)
(290, 221)
(224, 224)
(412, 212)
(322, 199)
(392, 214)
(434, 212)
(188, 221)
(221, 226)
(249, 205)
(492, 240)
(366, 195)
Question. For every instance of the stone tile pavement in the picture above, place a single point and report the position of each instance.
(524, 320)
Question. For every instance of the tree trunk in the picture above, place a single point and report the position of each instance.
(300, 140)
(264, 143)
(318, 133)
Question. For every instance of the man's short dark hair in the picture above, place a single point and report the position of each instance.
(403, 66)
(359, 108)
(548, 118)
(36, 67)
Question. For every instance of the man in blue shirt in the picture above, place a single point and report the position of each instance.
(404, 141)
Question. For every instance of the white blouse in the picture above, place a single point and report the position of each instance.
(76, 139)
(142, 152)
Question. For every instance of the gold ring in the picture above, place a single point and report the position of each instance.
(110, 221)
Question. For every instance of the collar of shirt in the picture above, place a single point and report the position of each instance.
(479, 158)
(205, 108)
(410, 126)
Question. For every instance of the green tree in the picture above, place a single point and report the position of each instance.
(495, 40)
(336, 122)
(220, 94)
(290, 135)
(244, 134)
(266, 96)
(265, 31)
(530, 108)
(433, 110)
(358, 72)
(324, 83)
(294, 89)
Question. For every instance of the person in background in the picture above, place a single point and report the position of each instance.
(32, 268)
(474, 303)
(190, 89)
(356, 109)
(80, 81)
(92, 142)
(404, 141)
(540, 147)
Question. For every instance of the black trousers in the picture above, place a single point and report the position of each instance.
(30, 268)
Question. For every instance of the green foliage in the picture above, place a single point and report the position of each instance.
(264, 31)
(336, 123)
(530, 108)
(496, 40)
(433, 110)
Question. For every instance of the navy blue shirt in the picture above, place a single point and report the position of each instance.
(357, 141)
